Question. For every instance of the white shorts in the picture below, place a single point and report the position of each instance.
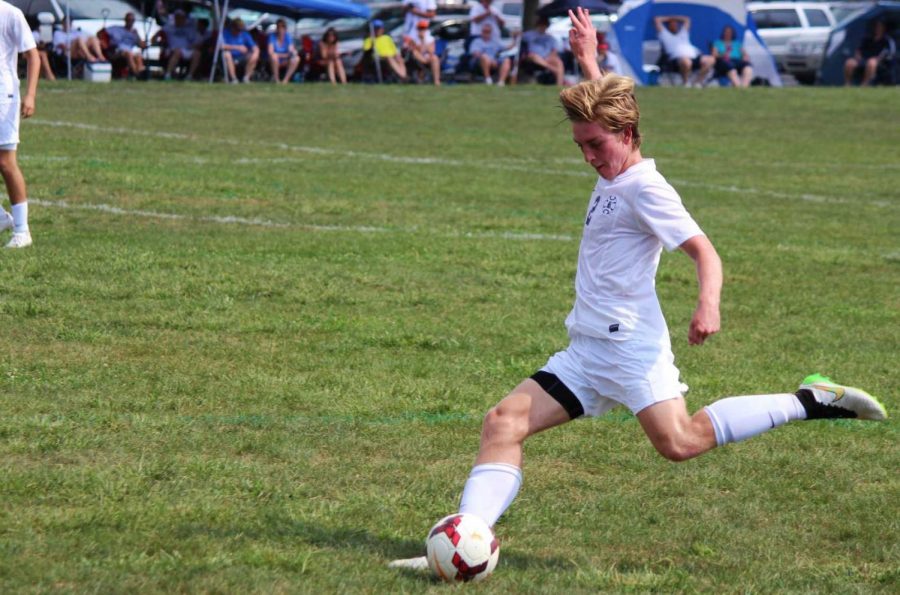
(601, 374)
(9, 123)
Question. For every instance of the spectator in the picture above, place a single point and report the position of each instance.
(239, 49)
(606, 59)
(674, 35)
(874, 51)
(203, 47)
(81, 45)
(486, 56)
(416, 11)
(42, 49)
(731, 59)
(421, 49)
(483, 13)
(282, 53)
(125, 42)
(385, 49)
(180, 37)
(543, 50)
(331, 55)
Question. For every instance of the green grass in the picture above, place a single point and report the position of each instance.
(195, 405)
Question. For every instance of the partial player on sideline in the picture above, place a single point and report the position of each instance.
(619, 351)
(15, 38)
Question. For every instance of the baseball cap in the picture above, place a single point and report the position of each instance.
(603, 45)
(378, 23)
(423, 24)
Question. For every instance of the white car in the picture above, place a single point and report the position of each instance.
(796, 33)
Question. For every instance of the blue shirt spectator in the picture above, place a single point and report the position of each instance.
(540, 43)
(242, 37)
(283, 47)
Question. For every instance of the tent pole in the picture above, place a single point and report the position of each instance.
(68, 41)
(212, 71)
(375, 53)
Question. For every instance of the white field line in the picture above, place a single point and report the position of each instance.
(521, 165)
(232, 220)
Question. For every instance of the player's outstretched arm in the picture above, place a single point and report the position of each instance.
(706, 320)
(33, 61)
(583, 39)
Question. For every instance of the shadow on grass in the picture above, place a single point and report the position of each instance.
(357, 538)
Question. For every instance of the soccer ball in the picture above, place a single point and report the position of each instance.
(462, 547)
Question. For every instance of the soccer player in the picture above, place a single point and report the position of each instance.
(15, 37)
(619, 351)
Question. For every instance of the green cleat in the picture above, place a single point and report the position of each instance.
(824, 399)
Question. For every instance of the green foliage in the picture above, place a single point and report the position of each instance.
(285, 404)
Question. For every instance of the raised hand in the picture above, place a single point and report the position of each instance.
(583, 40)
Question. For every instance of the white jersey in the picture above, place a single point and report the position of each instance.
(629, 220)
(678, 45)
(15, 38)
(411, 20)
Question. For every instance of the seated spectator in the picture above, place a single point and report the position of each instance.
(125, 42)
(81, 45)
(42, 48)
(482, 13)
(486, 57)
(606, 59)
(204, 44)
(543, 50)
(684, 57)
(282, 53)
(181, 36)
(385, 49)
(731, 59)
(421, 48)
(414, 12)
(875, 50)
(331, 56)
(239, 49)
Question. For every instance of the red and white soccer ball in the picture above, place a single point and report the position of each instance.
(462, 547)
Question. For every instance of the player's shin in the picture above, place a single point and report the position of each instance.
(738, 418)
(490, 490)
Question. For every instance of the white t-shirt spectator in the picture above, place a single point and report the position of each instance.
(62, 39)
(678, 45)
(477, 10)
(15, 38)
(629, 221)
(491, 48)
(123, 39)
(411, 20)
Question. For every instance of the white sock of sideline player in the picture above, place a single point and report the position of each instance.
(738, 418)
(20, 217)
(490, 490)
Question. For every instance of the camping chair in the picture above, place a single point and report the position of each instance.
(117, 62)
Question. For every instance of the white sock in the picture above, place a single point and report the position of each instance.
(490, 490)
(738, 418)
(20, 217)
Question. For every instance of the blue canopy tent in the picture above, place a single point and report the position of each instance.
(846, 37)
(635, 25)
(292, 8)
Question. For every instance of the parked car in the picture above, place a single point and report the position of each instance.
(796, 32)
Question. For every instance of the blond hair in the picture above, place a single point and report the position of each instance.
(609, 102)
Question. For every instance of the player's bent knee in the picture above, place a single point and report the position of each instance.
(674, 449)
(504, 424)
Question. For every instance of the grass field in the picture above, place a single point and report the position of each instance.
(252, 344)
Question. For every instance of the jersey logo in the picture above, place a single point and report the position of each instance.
(609, 204)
